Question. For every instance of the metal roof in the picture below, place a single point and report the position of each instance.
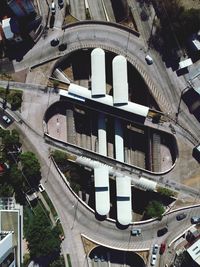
(146, 184)
(120, 83)
(102, 192)
(124, 202)
(82, 92)
(119, 141)
(98, 78)
(102, 138)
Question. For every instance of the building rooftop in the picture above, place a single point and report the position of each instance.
(194, 251)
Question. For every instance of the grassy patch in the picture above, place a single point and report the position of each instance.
(50, 204)
(69, 260)
(14, 97)
(69, 19)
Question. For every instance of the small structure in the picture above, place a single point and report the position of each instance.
(102, 135)
(98, 78)
(124, 202)
(119, 141)
(102, 192)
(7, 29)
(194, 252)
(120, 83)
(185, 63)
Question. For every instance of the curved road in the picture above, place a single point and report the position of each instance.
(77, 219)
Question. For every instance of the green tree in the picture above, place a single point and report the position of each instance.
(6, 190)
(58, 263)
(166, 192)
(154, 209)
(16, 178)
(31, 167)
(43, 240)
(59, 157)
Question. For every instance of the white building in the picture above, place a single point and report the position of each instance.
(120, 82)
(11, 233)
(6, 29)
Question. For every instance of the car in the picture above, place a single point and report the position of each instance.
(96, 258)
(62, 47)
(55, 42)
(60, 3)
(136, 232)
(195, 220)
(155, 249)
(162, 248)
(6, 119)
(149, 60)
(53, 8)
(181, 216)
(153, 259)
(41, 188)
(102, 258)
(162, 231)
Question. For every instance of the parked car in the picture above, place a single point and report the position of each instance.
(162, 248)
(60, 3)
(149, 60)
(55, 42)
(162, 231)
(195, 220)
(96, 258)
(6, 119)
(181, 216)
(41, 188)
(102, 258)
(53, 8)
(155, 249)
(153, 259)
(136, 232)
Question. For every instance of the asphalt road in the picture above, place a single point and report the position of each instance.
(76, 219)
(77, 8)
(96, 10)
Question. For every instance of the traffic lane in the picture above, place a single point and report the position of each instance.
(97, 11)
(77, 9)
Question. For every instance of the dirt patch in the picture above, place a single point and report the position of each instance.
(88, 245)
(193, 181)
(188, 4)
(20, 76)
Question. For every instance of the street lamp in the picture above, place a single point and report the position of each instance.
(179, 104)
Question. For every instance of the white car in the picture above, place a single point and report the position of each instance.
(6, 119)
(41, 188)
(153, 259)
(149, 60)
(53, 8)
(155, 249)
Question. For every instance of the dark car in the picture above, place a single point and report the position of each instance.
(181, 216)
(162, 231)
(195, 220)
(55, 42)
(162, 248)
(62, 47)
(60, 3)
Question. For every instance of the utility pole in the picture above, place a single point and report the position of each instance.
(5, 97)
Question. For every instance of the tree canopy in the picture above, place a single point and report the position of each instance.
(154, 209)
(31, 167)
(176, 22)
(43, 240)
